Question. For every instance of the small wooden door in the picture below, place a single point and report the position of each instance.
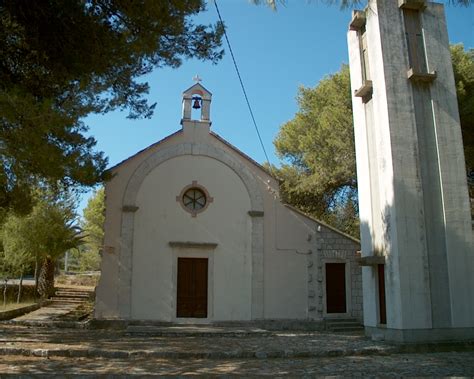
(335, 287)
(382, 306)
(192, 288)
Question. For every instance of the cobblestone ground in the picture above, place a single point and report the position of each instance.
(231, 343)
(395, 365)
(49, 351)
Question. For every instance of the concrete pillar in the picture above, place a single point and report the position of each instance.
(413, 199)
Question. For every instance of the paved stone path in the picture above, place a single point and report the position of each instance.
(229, 351)
(396, 365)
(189, 343)
(59, 306)
(47, 313)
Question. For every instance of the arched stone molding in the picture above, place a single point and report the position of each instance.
(129, 207)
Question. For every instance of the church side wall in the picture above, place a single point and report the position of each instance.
(287, 245)
(316, 245)
(285, 272)
(296, 249)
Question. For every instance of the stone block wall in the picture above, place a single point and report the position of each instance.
(336, 247)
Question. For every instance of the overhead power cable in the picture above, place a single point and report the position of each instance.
(242, 83)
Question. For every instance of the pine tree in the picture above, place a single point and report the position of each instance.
(93, 227)
(317, 151)
(63, 60)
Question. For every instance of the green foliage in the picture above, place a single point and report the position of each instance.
(319, 175)
(62, 60)
(463, 66)
(345, 3)
(47, 231)
(4, 268)
(89, 260)
(94, 217)
(43, 235)
(318, 144)
(93, 227)
(17, 248)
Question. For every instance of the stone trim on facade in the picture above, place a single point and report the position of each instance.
(194, 245)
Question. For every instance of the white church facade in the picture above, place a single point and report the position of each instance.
(195, 231)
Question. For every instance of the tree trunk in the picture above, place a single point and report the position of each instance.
(66, 262)
(20, 286)
(5, 282)
(46, 278)
(36, 274)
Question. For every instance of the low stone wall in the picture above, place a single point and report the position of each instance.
(8, 315)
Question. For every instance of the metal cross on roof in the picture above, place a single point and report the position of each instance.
(197, 79)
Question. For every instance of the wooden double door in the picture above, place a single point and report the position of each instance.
(192, 287)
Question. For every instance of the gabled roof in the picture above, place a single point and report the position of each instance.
(245, 156)
(201, 87)
(145, 149)
(300, 212)
(215, 135)
(241, 153)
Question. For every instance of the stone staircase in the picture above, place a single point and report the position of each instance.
(343, 325)
(72, 295)
(64, 309)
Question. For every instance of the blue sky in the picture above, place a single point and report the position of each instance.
(276, 53)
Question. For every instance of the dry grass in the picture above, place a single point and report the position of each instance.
(89, 280)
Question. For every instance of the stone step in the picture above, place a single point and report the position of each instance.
(193, 331)
(269, 325)
(80, 292)
(347, 329)
(80, 289)
(240, 353)
(67, 300)
(336, 320)
(342, 324)
(82, 297)
(71, 294)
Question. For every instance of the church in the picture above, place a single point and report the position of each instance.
(195, 232)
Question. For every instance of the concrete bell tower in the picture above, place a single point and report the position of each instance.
(196, 107)
(416, 232)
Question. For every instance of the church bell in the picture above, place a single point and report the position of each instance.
(197, 103)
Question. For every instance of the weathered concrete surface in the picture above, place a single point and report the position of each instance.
(413, 196)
